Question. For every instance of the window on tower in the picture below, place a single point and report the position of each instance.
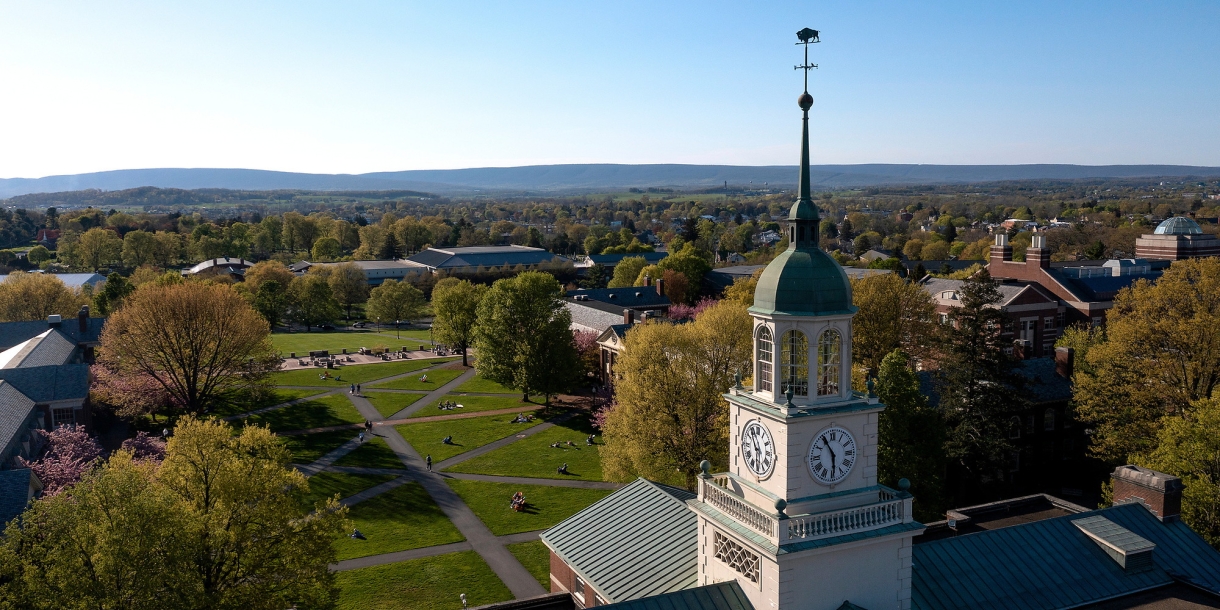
(764, 358)
(829, 355)
(794, 359)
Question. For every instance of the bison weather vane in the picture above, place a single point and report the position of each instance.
(807, 36)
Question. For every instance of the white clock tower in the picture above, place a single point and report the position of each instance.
(799, 520)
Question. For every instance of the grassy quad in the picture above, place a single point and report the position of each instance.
(373, 453)
(397, 520)
(307, 448)
(468, 434)
(389, 403)
(335, 341)
(357, 373)
(536, 558)
(247, 404)
(327, 484)
(479, 385)
(334, 410)
(436, 379)
(472, 404)
(534, 456)
(545, 505)
(431, 583)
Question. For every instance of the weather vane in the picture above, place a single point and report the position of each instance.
(806, 37)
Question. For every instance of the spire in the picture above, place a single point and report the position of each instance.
(803, 218)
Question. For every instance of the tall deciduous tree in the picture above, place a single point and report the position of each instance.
(894, 314)
(139, 248)
(1160, 355)
(97, 248)
(397, 301)
(1187, 446)
(524, 335)
(911, 436)
(669, 412)
(455, 306)
(312, 301)
(200, 341)
(216, 525)
(626, 271)
(34, 296)
(263, 271)
(271, 301)
(349, 284)
(976, 383)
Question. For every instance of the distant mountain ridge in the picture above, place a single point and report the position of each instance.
(554, 179)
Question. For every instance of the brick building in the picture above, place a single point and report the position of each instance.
(1176, 239)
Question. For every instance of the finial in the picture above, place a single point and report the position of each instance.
(737, 377)
(904, 484)
(706, 467)
(869, 385)
(807, 36)
(788, 395)
(780, 505)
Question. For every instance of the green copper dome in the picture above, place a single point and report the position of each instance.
(803, 282)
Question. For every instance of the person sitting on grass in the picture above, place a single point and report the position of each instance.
(448, 440)
(423, 379)
(562, 469)
(589, 441)
(357, 535)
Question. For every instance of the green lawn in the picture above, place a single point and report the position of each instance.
(536, 558)
(534, 457)
(400, 519)
(545, 506)
(472, 404)
(436, 379)
(308, 448)
(373, 453)
(356, 373)
(327, 484)
(335, 341)
(331, 410)
(247, 404)
(389, 403)
(478, 384)
(467, 434)
(431, 583)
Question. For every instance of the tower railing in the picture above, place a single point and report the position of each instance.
(889, 510)
(716, 492)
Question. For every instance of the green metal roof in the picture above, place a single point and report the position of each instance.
(1054, 564)
(803, 282)
(637, 542)
(720, 596)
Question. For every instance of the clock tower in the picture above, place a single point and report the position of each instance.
(799, 520)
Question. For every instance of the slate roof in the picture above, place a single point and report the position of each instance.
(15, 412)
(719, 596)
(483, 256)
(615, 300)
(44, 384)
(610, 260)
(47, 349)
(591, 318)
(1054, 564)
(12, 333)
(935, 285)
(639, 541)
(15, 492)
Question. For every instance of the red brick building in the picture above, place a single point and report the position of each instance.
(1176, 239)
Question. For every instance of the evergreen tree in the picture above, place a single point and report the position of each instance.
(950, 233)
(111, 296)
(976, 384)
(390, 250)
(911, 436)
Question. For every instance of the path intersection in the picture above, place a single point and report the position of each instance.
(478, 537)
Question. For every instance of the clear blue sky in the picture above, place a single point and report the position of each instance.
(373, 86)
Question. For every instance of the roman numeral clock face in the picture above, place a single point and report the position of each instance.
(757, 448)
(832, 455)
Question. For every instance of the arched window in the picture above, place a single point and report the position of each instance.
(1014, 427)
(764, 357)
(1048, 420)
(794, 358)
(829, 356)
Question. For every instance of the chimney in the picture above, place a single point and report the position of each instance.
(1160, 493)
(1037, 254)
(647, 280)
(1001, 251)
(628, 316)
(82, 317)
(1065, 361)
(54, 320)
(660, 286)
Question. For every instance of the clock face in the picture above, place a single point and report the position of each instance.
(757, 448)
(832, 455)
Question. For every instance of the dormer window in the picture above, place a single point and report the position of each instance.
(949, 295)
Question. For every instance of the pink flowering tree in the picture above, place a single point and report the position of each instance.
(129, 394)
(69, 453)
(145, 447)
(687, 312)
(587, 350)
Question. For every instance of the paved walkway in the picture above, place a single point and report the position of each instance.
(577, 483)
(435, 395)
(416, 420)
(429, 551)
(325, 461)
(321, 392)
(474, 453)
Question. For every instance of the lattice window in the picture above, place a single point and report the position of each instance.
(829, 356)
(736, 556)
(765, 355)
(794, 358)
(63, 417)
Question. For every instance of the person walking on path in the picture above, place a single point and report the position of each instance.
(362, 437)
(428, 460)
(358, 390)
(352, 390)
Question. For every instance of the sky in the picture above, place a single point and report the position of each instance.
(357, 87)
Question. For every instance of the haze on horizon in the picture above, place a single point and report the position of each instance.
(384, 86)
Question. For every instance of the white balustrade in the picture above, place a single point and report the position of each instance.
(733, 505)
(847, 521)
